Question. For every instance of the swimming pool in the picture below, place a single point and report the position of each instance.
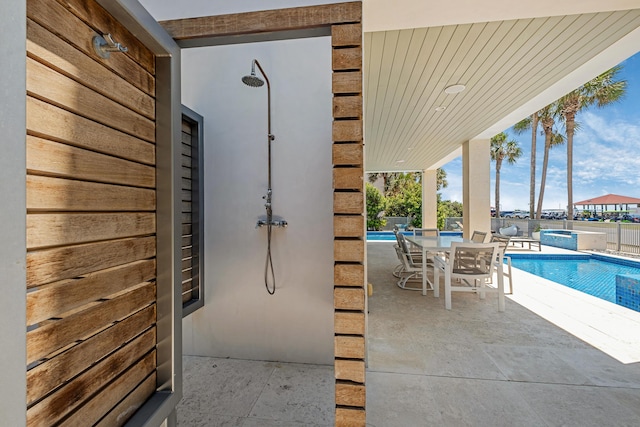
(387, 236)
(592, 274)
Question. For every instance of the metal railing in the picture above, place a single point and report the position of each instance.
(621, 236)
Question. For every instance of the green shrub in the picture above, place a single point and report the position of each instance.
(375, 208)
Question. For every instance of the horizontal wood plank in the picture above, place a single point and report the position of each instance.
(51, 122)
(350, 395)
(348, 298)
(346, 82)
(46, 339)
(55, 18)
(347, 154)
(125, 409)
(348, 250)
(57, 229)
(347, 130)
(60, 297)
(58, 89)
(73, 394)
(348, 275)
(61, 160)
(264, 21)
(57, 194)
(48, 375)
(350, 370)
(349, 324)
(346, 35)
(348, 179)
(348, 203)
(349, 58)
(46, 47)
(51, 265)
(94, 14)
(349, 347)
(350, 417)
(347, 107)
(348, 226)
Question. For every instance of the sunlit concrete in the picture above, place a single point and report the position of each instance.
(554, 357)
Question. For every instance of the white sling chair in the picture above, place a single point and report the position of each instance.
(473, 264)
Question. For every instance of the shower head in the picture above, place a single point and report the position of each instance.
(253, 80)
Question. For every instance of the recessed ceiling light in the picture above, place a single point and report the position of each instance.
(399, 161)
(457, 88)
(441, 108)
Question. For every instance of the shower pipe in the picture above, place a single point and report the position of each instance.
(255, 81)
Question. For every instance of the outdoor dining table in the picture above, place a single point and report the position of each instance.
(427, 244)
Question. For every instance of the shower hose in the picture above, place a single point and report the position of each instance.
(268, 266)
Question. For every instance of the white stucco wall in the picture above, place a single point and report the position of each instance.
(240, 319)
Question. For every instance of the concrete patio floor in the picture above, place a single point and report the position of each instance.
(555, 357)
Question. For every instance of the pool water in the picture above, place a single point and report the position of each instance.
(592, 274)
(389, 236)
(385, 235)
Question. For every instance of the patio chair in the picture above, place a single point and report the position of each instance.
(503, 242)
(473, 276)
(411, 265)
(415, 255)
(426, 232)
(478, 236)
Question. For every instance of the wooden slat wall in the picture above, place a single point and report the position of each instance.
(91, 220)
(349, 229)
(190, 253)
(345, 21)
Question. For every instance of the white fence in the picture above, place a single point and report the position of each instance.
(621, 236)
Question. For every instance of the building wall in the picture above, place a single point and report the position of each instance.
(240, 319)
(12, 215)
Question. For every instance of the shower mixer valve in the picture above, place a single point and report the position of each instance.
(274, 223)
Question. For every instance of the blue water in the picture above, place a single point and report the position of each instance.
(592, 274)
(388, 235)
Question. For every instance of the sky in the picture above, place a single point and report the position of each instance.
(606, 156)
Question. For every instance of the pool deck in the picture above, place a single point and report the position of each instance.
(555, 357)
(606, 326)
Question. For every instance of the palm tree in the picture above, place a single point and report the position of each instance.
(551, 139)
(441, 179)
(501, 149)
(530, 122)
(601, 91)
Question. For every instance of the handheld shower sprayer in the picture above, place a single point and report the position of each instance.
(254, 81)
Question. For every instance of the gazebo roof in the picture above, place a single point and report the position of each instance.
(610, 199)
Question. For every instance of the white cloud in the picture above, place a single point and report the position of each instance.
(606, 159)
